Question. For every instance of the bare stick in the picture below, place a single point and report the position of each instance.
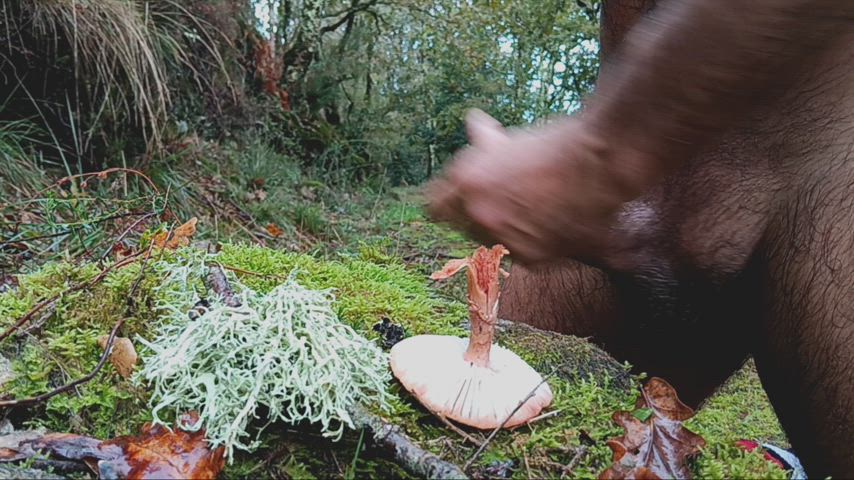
(544, 416)
(580, 453)
(498, 428)
(124, 233)
(249, 272)
(459, 431)
(44, 303)
(406, 453)
(46, 396)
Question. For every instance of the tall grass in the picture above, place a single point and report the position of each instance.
(117, 61)
(20, 174)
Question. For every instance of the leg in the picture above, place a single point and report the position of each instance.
(565, 296)
(806, 357)
(622, 313)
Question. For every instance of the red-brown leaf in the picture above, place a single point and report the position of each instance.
(155, 453)
(180, 237)
(658, 447)
(274, 230)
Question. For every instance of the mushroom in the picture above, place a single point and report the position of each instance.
(472, 381)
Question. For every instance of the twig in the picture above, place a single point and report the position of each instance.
(527, 466)
(76, 226)
(457, 429)
(410, 456)
(64, 180)
(68, 386)
(498, 428)
(249, 272)
(124, 234)
(580, 453)
(44, 303)
(544, 416)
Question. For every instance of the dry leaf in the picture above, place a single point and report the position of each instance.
(274, 230)
(123, 357)
(122, 250)
(180, 236)
(658, 447)
(156, 453)
(256, 196)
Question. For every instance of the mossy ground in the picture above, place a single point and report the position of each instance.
(382, 276)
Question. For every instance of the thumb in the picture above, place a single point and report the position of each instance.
(482, 129)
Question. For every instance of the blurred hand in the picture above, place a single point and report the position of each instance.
(543, 192)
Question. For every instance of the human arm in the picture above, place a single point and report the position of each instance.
(684, 75)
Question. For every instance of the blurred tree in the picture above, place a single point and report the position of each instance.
(382, 87)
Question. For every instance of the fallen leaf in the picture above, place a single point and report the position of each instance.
(658, 447)
(123, 356)
(257, 195)
(122, 250)
(274, 230)
(180, 236)
(156, 453)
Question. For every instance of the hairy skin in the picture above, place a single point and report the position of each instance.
(739, 238)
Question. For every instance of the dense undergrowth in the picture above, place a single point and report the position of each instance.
(370, 283)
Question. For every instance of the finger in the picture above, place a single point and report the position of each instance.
(482, 129)
(444, 201)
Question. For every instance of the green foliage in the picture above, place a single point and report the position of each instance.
(739, 411)
(365, 291)
(381, 88)
(65, 348)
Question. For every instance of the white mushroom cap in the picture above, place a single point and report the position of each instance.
(433, 369)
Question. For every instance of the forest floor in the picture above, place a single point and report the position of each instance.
(376, 248)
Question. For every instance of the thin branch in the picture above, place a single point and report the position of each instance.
(352, 13)
(457, 430)
(498, 428)
(44, 303)
(68, 386)
(124, 234)
(406, 453)
(580, 453)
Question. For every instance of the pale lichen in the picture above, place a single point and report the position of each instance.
(285, 350)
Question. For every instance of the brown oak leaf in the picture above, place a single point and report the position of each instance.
(659, 446)
(274, 230)
(180, 236)
(123, 357)
(157, 453)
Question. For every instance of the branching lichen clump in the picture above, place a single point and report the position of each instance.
(284, 350)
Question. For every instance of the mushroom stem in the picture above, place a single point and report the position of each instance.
(480, 338)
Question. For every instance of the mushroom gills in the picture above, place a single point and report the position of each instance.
(432, 368)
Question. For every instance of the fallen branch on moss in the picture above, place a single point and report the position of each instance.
(499, 427)
(50, 301)
(68, 386)
(406, 453)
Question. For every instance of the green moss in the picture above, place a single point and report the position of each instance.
(569, 357)
(588, 384)
(740, 410)
(65, 347)
(365, 291)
